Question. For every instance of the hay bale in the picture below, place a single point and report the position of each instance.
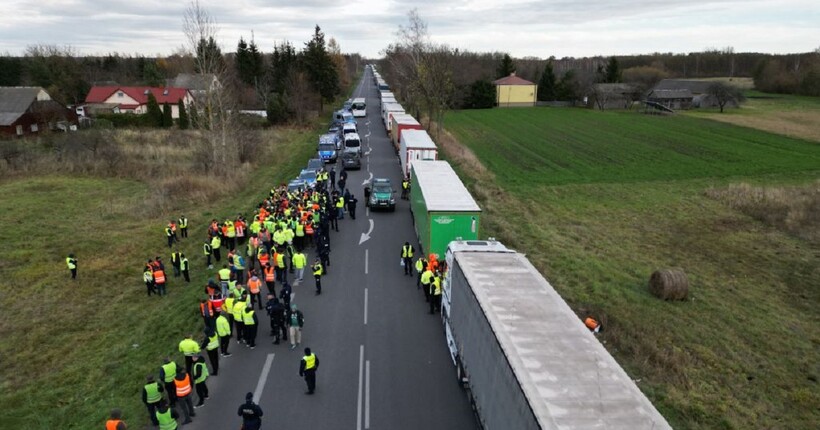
(669, 284)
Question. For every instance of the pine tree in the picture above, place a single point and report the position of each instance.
(320, 68)
(283, 60)
(506, 67)
(154, 111)
(257, 62)
(207, 52)
(613, 71)
(567, 88)
(243, 61)
(151, 74)
(547, 84)
(167, 118)
(183, 116)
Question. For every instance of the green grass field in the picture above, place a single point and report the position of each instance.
(74, 350)
(599, 200)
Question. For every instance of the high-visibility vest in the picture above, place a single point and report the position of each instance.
(591, 323)
(152, 394)
(216, 242)
(188, 347)
(224, 275)
(183, 223)
(206, 249)
(240, 228)
(425, 277)
(254, 284)
(299, 260)
(407, 251)
(174, 257)
(184, 264)
(223, 327)
(239, 262)
(310, 361)
(213, 343)
(247, 316)
(420, 265)
(169, 232)
(159, 277)
(340, 203)
(300, 230)
(280, 260)
(112, 424)
(183, 386)
(270, 275)
(170, 370)
(405, 184)
(166, 421)
(228, 305)
(72, 263)
(309, 229)
(147, 276)
(263, 255)
(231, 230)
(317, 269)
(437, 286)
(238, 307)
(204, 375)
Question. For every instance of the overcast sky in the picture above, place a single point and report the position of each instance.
(521, 27)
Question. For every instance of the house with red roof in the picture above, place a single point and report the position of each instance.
(513, 91)
(135, 99)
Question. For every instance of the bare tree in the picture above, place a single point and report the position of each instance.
(215, 106)
(724, 94)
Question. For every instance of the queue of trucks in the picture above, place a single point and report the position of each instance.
(524, 358)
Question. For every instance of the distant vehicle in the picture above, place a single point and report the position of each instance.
(359, 108)
(334, 127)
(315, 164)
(382, 194)
(349, 128)
(343, 116)
(353, 142)
(327, 151)
(348, 104)
(309, 177)
(296, 185)
(351, 160)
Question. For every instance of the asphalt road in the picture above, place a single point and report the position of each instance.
(384, 360)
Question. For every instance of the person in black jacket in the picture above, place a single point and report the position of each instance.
(251, 414)
(307, 369)
(277, 319)
(351, 206)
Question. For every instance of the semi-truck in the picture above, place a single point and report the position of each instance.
(523, 356)
(399, 123)
(389, 109)
(443, 210)
(415, 145)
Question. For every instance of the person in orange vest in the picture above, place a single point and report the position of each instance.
(206, 309)
(115, 421)
(159, 281)
(255, 287)
(270, 278)
(593, 325)
(182, 384)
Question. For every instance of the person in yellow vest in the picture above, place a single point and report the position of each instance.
(224, 275)
(307, 369)
(299, 261)
(239, 323)
(151, 396)
(211, 345)
(183, 226)
(182, 385)
(175, 262)
(183, 265)
(421, 263)
(166, 416)
(209, 252)
(115, 421)
(200, 376)
(167, 372)
(340, 209)
(426, 281)
(216, 244)
(223, 329)
(318, 271)
(189, 348)
(169, 234)
(279, 265)
(435, 292)
(71, 262)
(407, 258)
(251, 322)
(405, 188)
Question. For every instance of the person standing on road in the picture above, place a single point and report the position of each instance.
(435, 293)
(251, 414)
(421, 263)
(200, 376)
(223, 329)
(284, 294)
(307, 369)
(115, 421)
(332, 175)
(190, 348)
(299, 261)
(318, 271)
(182, 385)
(351, 206)
(407, 258)
(166, 416)
(71, 262)
(211, 345)
(238, 307)
(277, 320)
(251, 323)
(295, 321)
(151, 396)
(426, 282)
(405, 188)
(255, 289)
(167, 372)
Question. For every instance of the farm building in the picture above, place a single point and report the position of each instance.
(197, 84)
(672, 99)
(611, 96)
(29, 110)
(135, 99)
(698, 89)
(513, 91)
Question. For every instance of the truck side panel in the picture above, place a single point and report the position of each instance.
(499, 400)
(420, 216)
(447, 226)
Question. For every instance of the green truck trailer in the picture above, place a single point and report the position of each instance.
(443, 210)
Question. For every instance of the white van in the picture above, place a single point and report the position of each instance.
(359, 108)
(353, 143)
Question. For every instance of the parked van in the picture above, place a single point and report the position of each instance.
(353, 142)
(359, 107)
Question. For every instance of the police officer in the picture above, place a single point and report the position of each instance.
(251, 321)
(183, 264)
(421, 263)
(407, 258)
(183, 226)
(318, 271)
(71, 262)
(251, 414)
(307, 369)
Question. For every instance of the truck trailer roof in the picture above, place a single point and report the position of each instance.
(570, 380)
(442, 189)
(417, 139)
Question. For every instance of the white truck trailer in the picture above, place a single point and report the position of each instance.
(525, 358)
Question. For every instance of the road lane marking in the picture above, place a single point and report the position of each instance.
(367, 395)
(260, 385)
(366, 236)
(365, 306)
(359, 403)
(366, 254)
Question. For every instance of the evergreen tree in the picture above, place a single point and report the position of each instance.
(154, 112)
(183, 115)
(547, 84)
(207, 52)
(249, 62)
(613, 71)
(283, 60)
(151, 74)
(506, 68)
(257, 63)
(567, 88)
(167, 118)
(277, 109)
(320, 69)
(482, 95)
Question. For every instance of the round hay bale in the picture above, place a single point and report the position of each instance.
(669, 284)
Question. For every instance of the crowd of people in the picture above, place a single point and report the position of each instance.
(264, 254)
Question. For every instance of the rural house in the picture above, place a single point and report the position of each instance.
(672, 99)
(197, 84)
(698, 89)
(135, 99)
(29, 110)
(611, 96)
(513, 91)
